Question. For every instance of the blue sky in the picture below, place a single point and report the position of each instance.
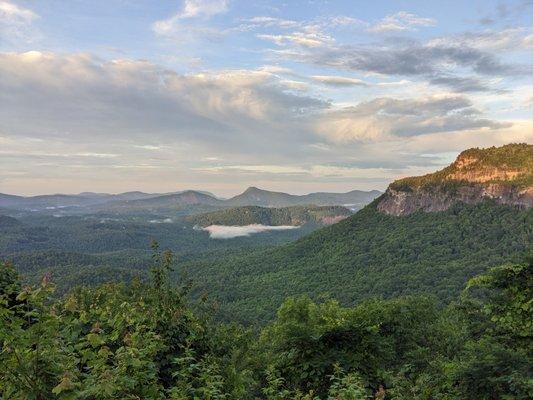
(297, 96)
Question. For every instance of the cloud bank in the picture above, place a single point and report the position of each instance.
(230, 232)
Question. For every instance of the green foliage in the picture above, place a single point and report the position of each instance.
(511, 299)
(115, 341)
(369, 255)
(143, 341)
(296, 215)
(310, 343)
(94, 249)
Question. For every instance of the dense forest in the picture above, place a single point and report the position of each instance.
(295, 215)
(97, 248)
(144, 341)
(368, 255)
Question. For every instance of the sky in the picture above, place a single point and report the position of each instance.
(295, 96)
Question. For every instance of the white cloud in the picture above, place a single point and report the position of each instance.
(386, 118)
(147, 147)
(511, 39)
(340, 81)
(345, 21)
(263, 169)
(230, 232)
(301, 38)
(192, 9)
(203, 8)
(78, 96)
(66, 118)
(265, 21)
(401, 21)
(16, 23)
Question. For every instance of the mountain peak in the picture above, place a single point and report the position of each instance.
(504, 174)
(509, 164)
(253, 189)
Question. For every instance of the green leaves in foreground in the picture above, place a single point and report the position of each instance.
(142, 341)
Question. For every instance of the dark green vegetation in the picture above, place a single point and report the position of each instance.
(516, 159)
(296, 215)
(143, 341)
(369, 255)
(95, 249)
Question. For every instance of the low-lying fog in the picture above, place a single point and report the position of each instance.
(229, 232)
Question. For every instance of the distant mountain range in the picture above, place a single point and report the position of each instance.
(67, 200)
(257, 197)
(134, 201)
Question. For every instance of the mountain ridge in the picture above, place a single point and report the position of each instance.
(503, 174)
(252, 196)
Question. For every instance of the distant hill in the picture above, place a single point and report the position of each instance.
(8, 200)
(257, 197)
(504, 174)
(82, 200)
(168, 201)
(58, 201)
(89, 202)
(295, 215)
(379, 252)
(265, 198)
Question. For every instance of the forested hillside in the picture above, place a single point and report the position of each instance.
(143, 341)
(96, 249)
(297, 215)
(370, 255)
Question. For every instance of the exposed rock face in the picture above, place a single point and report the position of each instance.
(397, 202)
(470, 179)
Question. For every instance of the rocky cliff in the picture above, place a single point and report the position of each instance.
(503, 174)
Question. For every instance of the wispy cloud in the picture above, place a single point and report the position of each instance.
(307, 38)
(401, 21)
(192, 9)
(511, 39)
(339, 81)
(16, 23)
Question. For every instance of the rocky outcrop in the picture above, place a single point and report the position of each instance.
(477, 175)
(401, 202)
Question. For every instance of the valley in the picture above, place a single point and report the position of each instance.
(425, 234)
(316, 280)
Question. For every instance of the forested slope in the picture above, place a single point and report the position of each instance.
(370, 255)
(296, 215)
(144, 341)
